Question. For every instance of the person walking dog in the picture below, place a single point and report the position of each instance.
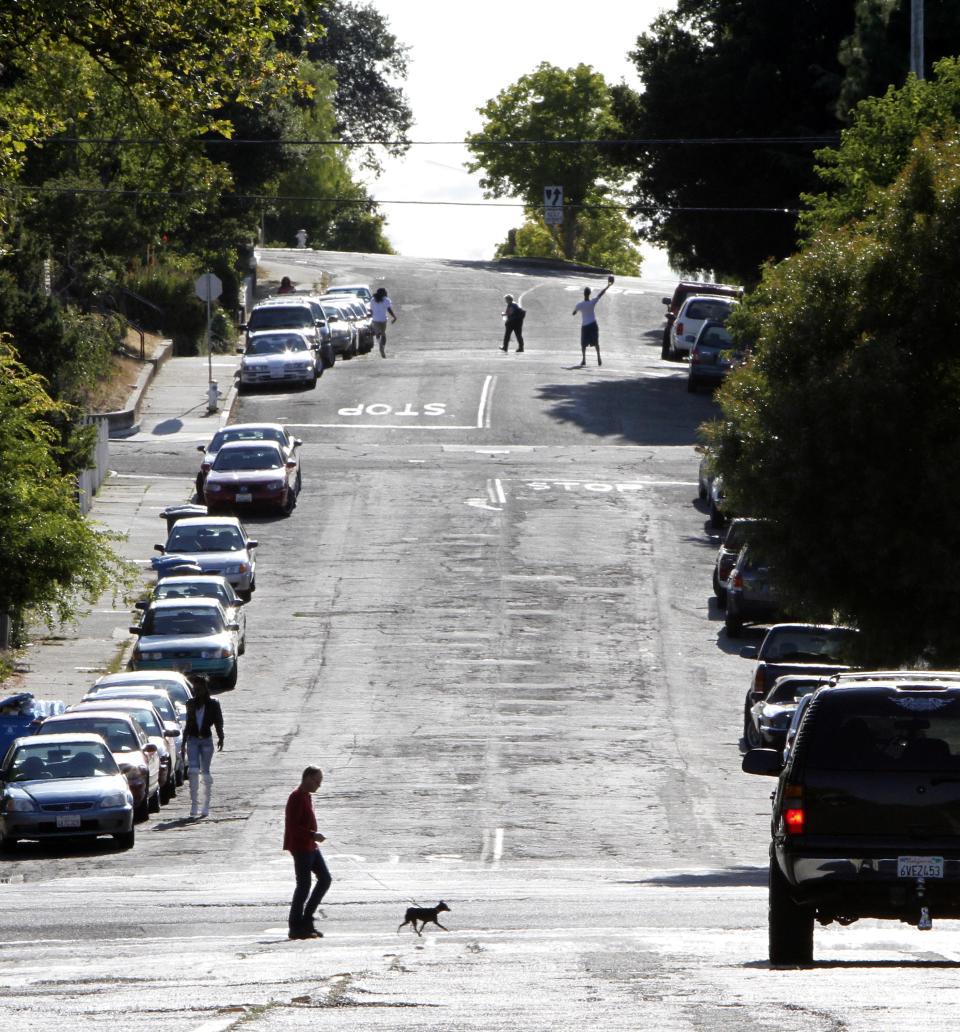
(204, 715)
(589, 328)
(380, 308)
(513, 316)
(302, 841)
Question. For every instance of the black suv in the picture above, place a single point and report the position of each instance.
(866, 815)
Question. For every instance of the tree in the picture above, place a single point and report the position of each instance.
(878, 144)
(368, 61)
(730, 68)
(841, 429)
(550, 104)
(52, 558)
(607, 240)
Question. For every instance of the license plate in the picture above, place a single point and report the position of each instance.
(277, 372)
(183, 667)
(244, 496)
(919, 866)
(68, 821)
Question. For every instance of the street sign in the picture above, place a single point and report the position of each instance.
(553, 205)
(208, 287)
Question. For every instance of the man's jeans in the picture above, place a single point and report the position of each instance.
(302, 909)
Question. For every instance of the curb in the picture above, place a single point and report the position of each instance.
(556, 264)
(123, 422)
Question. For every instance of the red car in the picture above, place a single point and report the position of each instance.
(252, 474)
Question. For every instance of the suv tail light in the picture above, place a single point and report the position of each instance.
(678, 329)
(736, 580)
(791, 809)
(759, 683)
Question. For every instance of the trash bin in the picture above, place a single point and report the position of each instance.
(181, 512)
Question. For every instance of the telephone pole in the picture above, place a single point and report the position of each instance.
(916, 38)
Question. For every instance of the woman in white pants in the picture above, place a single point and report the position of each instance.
(204, 715)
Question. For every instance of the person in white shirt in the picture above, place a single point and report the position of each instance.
(589, 328)
(380, 308)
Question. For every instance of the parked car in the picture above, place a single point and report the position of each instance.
(717, 502)
(357, 290)
(219, 545)
(713, 355)
(681, 292)
(361, 318)
(190, 635)
(159, 697)
(864, 821)
(136, 756)
(63, 786)
(21, 714)
(341, 321)
(279, 357)
(162, 733)
(693, 313)
(734, 538)
(252, 474)
(203, 586)
(811, 650)
(286, 312)
(243, 432)
(172, 683)
(768, 719)
(751, 597)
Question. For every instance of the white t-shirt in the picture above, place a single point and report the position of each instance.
(585, 308)
(379, 309)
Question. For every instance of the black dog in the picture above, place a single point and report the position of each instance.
(424, 914)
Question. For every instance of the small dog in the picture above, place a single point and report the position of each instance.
(424, 914)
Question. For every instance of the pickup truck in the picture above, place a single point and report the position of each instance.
(813, 650)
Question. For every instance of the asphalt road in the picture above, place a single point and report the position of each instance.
(489, 620)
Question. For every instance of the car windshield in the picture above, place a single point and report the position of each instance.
(147, 719)
(118, 734)
(277, 344)
(280, 317)
(245, 434)
(355, 291)
(64, 760)
(179, 622)
(796, 644)
(239, 459)
(331, 313)
(736, 536)
(896, 731)
(197, 590)
(790, 690)
(712, 309)
(716, 337)
(205, 539)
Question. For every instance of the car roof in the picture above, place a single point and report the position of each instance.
(286, 300)
(198, 602)
(195, 578)
(691, 298)
(209, 521)
(121, 701)
(258, 426)
(348, 286)
(800, 627)
(140, 677)
(60, 738)
(120, 691)
(298, 330)
(240, 445)
(113, 714)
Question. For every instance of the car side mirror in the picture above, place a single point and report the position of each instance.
(665, 300)
(201, 447)
(749, 652)
(297, 442)
(233, 626)
(292, 464)
(252, 544)
(762, 761)
(135, 630)
(171, 730)
(141, 604)
(242, 326)
(159, 548)
(149, 748)
(240, 351)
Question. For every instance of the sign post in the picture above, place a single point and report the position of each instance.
(553, 205)
(209, 288)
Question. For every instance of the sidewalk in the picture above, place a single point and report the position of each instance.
(173, 415)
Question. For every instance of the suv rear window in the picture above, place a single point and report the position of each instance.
(718, 309)
(900, 731)
(799, 645)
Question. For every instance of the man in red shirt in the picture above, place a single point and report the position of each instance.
(301, 839)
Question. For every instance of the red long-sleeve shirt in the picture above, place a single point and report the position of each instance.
(300, 822)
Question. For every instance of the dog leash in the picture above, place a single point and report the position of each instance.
(382, 884)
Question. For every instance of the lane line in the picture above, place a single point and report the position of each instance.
(483, 418)
(379, 426)
(498, 490)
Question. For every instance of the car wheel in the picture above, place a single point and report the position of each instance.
(733, 625)
(752, 736)
(165, 794)
(290, 504)
(153, 803)
(242, 647)
(125, 839)
(716, 517)
(142, 810)
(312, 383)
(717, 587)
(665, 346)
(790, 925)
(692, 385)
(179, 776)
(199, 489)
(230, 681)
(7, 844)
(299, 484)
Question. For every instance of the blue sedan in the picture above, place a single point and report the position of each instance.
(63, 786)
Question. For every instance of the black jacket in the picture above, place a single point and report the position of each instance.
(212, 718)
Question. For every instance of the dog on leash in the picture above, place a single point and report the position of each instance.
(424, 914)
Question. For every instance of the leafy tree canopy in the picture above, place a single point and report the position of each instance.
(53, 559)
(841, 429)
(551, 103)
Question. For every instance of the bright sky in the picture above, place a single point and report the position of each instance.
(461, 56)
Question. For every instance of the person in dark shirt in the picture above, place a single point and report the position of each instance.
(286, 287)
(302, 840)
(204, 715)
(512, 322)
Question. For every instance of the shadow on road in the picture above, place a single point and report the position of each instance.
(727, 876)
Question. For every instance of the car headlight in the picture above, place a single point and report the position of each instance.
(214, 487)
(18, 802)
(275, 485)
(117, 799)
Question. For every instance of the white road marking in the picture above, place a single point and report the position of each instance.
(378, 426)
(499, 496)
(486, 395)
